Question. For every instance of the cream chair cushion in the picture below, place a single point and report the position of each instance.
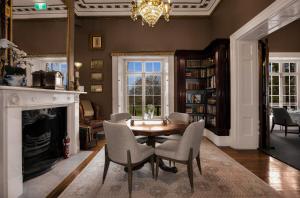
(119, 117)
(120, 139)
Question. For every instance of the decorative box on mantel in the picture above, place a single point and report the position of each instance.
(14, 100)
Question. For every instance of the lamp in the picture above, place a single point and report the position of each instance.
(77, 65)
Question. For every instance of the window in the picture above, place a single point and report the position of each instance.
(144, 85)
(283, 83)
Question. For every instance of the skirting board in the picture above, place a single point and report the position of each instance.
(217, 140)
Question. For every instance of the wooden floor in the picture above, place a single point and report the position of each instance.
(280, 176)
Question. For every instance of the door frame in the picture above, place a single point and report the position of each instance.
(244, 132)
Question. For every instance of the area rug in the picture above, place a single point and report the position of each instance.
(42, 185)
(222, 177)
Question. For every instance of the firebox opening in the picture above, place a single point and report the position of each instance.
(43, 133)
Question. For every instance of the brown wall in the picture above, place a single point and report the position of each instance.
(40, 36)
(286, 39)
(230, 15)
(122, 34)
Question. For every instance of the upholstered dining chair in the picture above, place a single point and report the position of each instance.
(118, 117)
(122, 149)
(183, 151)
(282, 118)
(178, 118)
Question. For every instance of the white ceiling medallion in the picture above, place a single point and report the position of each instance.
(56, 9)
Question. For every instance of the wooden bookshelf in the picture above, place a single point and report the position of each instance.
(203, 85)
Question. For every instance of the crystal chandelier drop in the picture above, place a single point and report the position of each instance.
(150, 10)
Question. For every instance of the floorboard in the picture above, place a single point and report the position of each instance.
(280, 176)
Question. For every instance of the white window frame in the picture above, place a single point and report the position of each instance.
(119, 82)
(286, 57)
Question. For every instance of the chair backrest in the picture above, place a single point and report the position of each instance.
(119, 140)
(118, 117)
(191, 139)
(179, 118)
(87, 108)
(281, 116)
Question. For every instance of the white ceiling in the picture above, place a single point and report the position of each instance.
(57, 9)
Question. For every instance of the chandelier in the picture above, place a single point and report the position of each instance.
(150, 10)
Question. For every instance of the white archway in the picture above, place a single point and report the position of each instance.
(244, 133)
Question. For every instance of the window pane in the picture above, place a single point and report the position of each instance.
(293, 90)
(293, 99)
(270, 90)
(138, 90)
(149, 80)
(157, 67)
(275, 90)
(138, 111)
(157, 111)
(275, 99)
(130, 90)
(293, 80)
(149, 100)
(130, 67)
(156, 90)
(138, 80)
(131, 80)
(149, 67)
(131, 109)
(138, 67)
(275, 67)
(131, 100)
(286, 99)
(156, 80)
(157, 100)
(138, 100)
(286, 80)
(292, 67)
(149, 91)
(286, 90)
(275, 80)
(285, 67)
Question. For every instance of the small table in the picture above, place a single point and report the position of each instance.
(153, 129)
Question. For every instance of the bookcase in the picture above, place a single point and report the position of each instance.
(203, 85)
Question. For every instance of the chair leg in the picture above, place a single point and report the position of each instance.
(273, 124)
(129, 166)
(106, 164)
(157, 167)
(190, 169)
(285, 130)
(199, 163)
(152, 165)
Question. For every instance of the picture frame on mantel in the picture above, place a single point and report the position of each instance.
(96, 42)
(97, 65)
(97, 88)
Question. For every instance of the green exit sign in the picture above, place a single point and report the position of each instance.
(40, 6)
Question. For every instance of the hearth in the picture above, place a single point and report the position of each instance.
(43, 133)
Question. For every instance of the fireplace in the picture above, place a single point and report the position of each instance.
(43, 132)
(15, 102)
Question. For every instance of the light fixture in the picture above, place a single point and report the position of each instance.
(150, 10)
(77, 65)
(40, 5)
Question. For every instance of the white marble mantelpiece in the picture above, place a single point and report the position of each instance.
(13, 100)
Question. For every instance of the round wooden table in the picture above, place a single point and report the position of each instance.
(152, 129)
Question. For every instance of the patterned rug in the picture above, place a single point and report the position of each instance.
(222, 177)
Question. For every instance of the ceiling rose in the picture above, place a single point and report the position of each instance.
(150, 10)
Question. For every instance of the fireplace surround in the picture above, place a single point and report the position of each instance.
(14, 101)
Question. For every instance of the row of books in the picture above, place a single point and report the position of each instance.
(194, 98)
(196, 118)
(196, 74)
(211, 72)
(200, 63)
(211, 109)
(211, 121)
(195, 85)
(211, 82)
(195, 109)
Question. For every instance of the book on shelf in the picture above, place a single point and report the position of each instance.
(196, 118)
(211, 82)
(211, 121)
(194, 85)
(193, 63)
(195, 109)
(211, 109)
(196, 74)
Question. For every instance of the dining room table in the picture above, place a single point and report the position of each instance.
(152, 130)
